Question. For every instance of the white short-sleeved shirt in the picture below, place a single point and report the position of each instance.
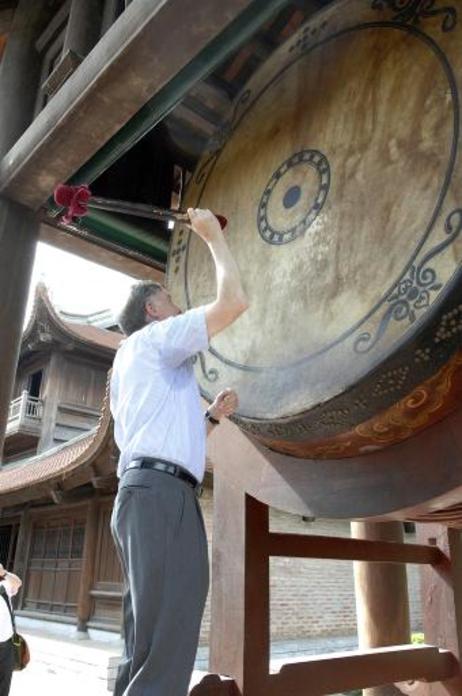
(154, 397)
(6, 627)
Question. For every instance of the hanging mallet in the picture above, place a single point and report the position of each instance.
(77, 199)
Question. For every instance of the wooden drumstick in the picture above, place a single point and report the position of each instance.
(77, 199)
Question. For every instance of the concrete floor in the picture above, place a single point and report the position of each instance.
(66, 665)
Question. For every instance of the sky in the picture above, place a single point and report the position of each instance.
(77, 285)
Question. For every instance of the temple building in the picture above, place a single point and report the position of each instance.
(57, 480)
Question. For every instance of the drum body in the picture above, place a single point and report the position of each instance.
(339, 171)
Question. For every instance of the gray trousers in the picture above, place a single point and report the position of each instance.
(159, 534)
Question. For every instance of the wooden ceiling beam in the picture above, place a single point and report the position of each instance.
(100, 251)
(133, 61)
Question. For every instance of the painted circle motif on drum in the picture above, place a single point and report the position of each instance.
(339, 172)
(291, 189)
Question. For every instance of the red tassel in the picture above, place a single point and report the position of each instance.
(74, 199)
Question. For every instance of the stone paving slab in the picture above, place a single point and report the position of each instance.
(66, 666)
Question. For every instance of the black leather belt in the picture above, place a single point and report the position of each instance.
(166, 467)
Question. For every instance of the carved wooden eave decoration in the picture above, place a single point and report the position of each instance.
(46, 327)
(73, 464)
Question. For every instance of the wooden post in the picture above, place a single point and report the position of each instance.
(18, 237)
(19, 74)
(88, 566)
(442, 600)
(382, 603)
(22, 550)
(240, 630)
(23, 405)
(51, 396)
(84, 26)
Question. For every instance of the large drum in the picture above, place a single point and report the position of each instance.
(339, 170)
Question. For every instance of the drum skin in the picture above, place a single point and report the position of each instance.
(339, 171)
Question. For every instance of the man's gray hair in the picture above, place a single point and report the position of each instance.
(133, 316)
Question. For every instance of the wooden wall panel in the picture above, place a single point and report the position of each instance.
(84, 383)
(52, 577)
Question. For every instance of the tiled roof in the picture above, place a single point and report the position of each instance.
(95, 335)
(87, 333)
(43, 467)
(57, 464)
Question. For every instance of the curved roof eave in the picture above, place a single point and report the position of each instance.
(87, 335)
(29, 479)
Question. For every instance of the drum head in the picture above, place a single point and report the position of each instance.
(338, 171)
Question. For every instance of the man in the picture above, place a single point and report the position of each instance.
(9, 586)
(160, 431)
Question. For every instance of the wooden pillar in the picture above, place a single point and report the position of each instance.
(442, 600)
(88, 566)
(382, 603)
(20, 72)
(51, 395)
(84, 27)
(240, 628)
(22, 552)
(18, 238)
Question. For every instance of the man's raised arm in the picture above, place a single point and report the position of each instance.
(231, 301)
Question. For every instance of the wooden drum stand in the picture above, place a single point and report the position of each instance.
(243, 545)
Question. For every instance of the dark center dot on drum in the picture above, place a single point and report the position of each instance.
(292, 196)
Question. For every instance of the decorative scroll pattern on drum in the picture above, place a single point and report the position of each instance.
(413, 292)
(308, 34)
(176, 254)
(210, 375)
(242, 100)
(363, 401)
(413, 11)
(203, 170)
(292, 195)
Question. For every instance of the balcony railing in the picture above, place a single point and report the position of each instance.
(25, 412)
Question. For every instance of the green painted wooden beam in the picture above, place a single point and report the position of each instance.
(154, 111)
(117, 230)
